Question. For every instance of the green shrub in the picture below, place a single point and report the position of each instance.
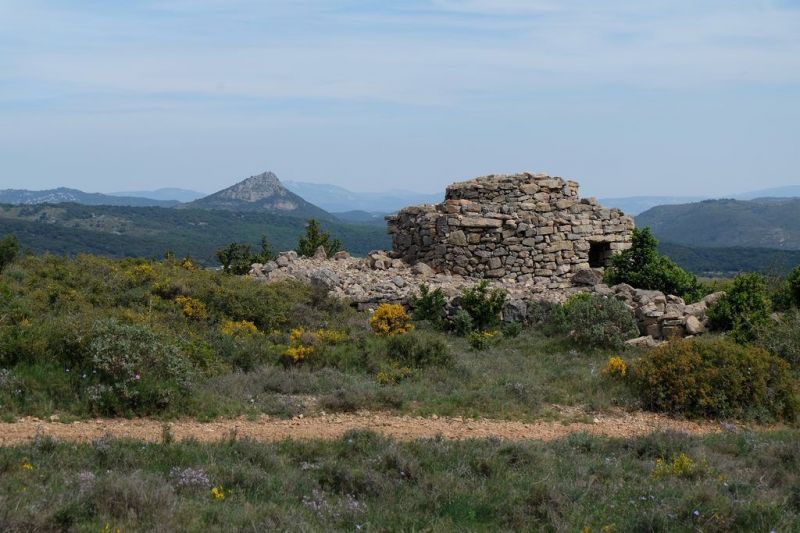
(642, 267)
(599, 322)
(9, 249)
(782, 338)
(418, 349)
(745, 307)
(430, 306)
(512, 329)
(237, 258)
(483, 304)
(461, 322)
(715, 378)
(132, 369)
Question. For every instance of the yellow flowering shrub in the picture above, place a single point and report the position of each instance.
(192, 308)
(480, 340)
(187, 264)
(392, 375)
(681, 466)
(616, 368)
(26, 466)
(304, 344)
(233, 328)
(142, 273)
(390, 319)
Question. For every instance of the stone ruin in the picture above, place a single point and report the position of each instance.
(530, 233)
(531, 227)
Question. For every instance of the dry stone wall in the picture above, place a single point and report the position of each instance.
(529, 227)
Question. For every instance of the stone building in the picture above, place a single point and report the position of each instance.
(531, 227)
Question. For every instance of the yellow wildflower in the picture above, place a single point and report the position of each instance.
(26, 466)
(218, 493)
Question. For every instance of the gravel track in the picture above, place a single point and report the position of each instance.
(619, 424)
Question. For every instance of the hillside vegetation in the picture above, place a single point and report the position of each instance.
(766, 223)
(150, 231)
(90, 336)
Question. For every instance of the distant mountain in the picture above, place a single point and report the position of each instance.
(792, 191)
(633, 205)
(337, 199)
(263, 193)
(727, 223)
(166, 193)
(65, 195)
(362, 217)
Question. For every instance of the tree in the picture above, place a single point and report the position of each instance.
(266, 254)
(314, 238)
(236, 258)
(9, 249)
(642, 267)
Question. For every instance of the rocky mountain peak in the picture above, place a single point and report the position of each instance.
(255, 188)
(262, 192)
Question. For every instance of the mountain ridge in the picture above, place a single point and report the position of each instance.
(727, 223)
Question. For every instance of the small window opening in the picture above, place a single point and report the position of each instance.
(599, 254)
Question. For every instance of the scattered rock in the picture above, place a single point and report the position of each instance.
(645, 341)
(320, 253)
(587, 277)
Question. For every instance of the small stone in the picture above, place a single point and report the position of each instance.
(320, 253)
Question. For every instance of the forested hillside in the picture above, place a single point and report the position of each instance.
(150, 231)
(764, 223)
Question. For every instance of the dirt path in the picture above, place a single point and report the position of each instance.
(333, 426)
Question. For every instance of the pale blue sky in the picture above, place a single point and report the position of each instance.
(652, 97)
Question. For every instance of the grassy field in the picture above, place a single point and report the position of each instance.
(361, 482)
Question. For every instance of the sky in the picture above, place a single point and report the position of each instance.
(673, 97)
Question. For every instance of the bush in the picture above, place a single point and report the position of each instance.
(642, 267)
(237, 258)
(429, 306)
(599, 322)
(512, 329)
(134, 369)
(419, 349)
(745, 307)
(9, 249)
(715, 378)
(782, 338)
(462, 323)
(389, 320)
(483, 304)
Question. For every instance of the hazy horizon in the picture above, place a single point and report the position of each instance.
(667, 98)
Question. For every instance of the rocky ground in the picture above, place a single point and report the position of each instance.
(378, 278)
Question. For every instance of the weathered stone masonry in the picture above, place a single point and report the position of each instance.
(531, 227)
